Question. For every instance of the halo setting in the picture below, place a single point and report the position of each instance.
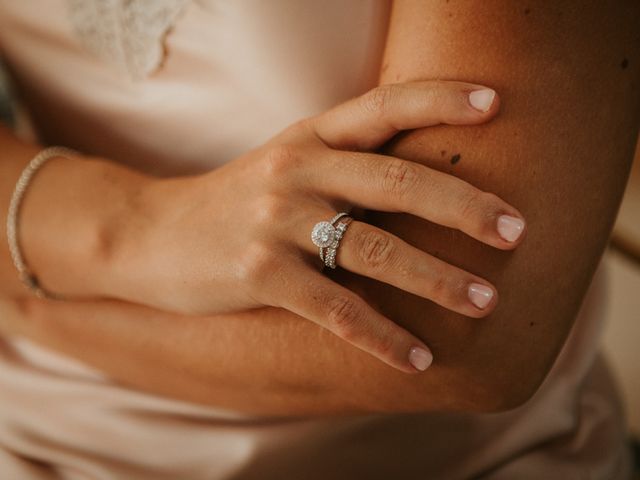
(323, 234)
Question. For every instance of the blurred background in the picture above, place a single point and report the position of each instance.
(622, 332)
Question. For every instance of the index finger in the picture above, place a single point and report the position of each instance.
(368, 121)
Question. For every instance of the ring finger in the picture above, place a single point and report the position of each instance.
(370, 251)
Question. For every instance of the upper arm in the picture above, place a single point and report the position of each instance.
(568, 77)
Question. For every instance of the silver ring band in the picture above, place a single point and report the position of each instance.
(332, 222)
(332, 251)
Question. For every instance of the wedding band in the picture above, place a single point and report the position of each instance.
(332, 251)
(324, 234)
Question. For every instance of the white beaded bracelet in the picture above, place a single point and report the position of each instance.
(26, 276)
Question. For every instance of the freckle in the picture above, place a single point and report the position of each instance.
(455, 159)
(527, 11)
(531, 324)
(625, 63)
(443, 153)
(450, 15)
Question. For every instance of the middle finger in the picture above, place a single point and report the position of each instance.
(385, 183)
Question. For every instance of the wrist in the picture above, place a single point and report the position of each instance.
(74, 221)
(135, 238)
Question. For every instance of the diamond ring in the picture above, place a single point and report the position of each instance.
(325, 234)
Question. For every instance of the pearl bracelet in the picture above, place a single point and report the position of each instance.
(26, 276)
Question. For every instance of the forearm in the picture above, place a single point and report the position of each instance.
(69, 218)
(265, 361)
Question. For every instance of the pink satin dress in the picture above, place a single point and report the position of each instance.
(206, 104)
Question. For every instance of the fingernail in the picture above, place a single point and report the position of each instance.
(482, 99)
(480, 295)
(510, 228)
(420, 358)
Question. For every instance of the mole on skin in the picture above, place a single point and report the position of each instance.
(624, 64)
(455, 159)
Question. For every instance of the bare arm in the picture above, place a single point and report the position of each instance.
(70, 205)
(560, 153)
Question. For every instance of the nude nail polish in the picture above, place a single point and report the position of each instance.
(480, 295)
(510, 228)
(481, 100)
(420, 358)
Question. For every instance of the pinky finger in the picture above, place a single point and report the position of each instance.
(351, 318)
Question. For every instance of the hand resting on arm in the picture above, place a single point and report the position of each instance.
(227, 240)
(559, 152)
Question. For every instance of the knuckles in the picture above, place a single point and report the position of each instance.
(492, 204)
(478, 210)
(343, 315)
(271, 208)
(378, 99)
(385, 345)
(299, 128)
(286, 151)
(471, 204)
(260, 256)
(256, 265)
(399, 178)
(449, 289)
(280, 160)
(376, 249)
(346, 319)
(439, 289)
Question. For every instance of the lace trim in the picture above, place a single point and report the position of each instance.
(127, 33)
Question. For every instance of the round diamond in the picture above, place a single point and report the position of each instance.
(323, 234)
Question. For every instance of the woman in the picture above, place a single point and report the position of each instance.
(219, 349)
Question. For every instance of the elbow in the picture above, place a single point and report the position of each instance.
(468, 390)
(504, 389)
(508, 398)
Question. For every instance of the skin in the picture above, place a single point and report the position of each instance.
(289, 366)
(174, 244)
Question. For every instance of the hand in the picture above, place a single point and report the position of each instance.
(239, 237)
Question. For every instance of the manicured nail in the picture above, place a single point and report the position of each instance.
(420, 358)
(482, 99)
(480, 295)
(510, 228)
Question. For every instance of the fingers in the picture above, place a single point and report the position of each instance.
(315, 297)
(390, 184)
(368, 121)
(375, 253)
